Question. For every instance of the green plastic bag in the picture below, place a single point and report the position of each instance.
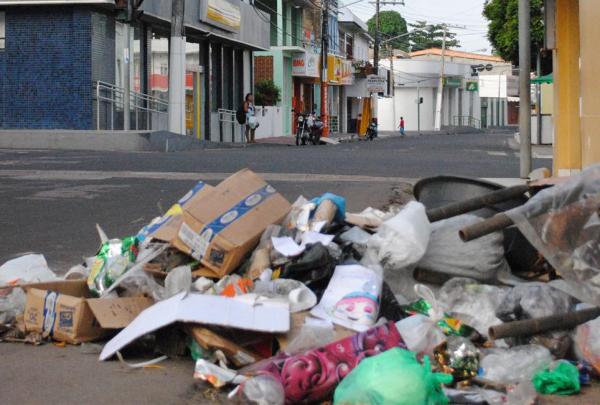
(562, 380)
(115, 257)
(393, 377)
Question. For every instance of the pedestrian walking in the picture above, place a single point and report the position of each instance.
(251, 122)
(402, 126)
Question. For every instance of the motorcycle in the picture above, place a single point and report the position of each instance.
(371, 131)
(309, 128)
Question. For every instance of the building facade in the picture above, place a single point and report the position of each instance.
(68, 64)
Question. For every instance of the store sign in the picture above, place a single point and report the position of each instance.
(305, 64)
(472, 86)
(454, 82)
(339, 71)
(376, 84)
(224, 14)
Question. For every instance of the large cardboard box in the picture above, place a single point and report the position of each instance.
(167, 227)
(224, 225)
(64, 311)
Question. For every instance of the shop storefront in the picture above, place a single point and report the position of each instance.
(340, 75)
(305, 73)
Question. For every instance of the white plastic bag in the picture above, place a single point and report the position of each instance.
(26, 269)
(402, 241)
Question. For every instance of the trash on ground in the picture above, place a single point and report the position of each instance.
(281, 303)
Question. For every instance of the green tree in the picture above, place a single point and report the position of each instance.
(391, 24)
(503, 28)
(425, 36)
(266, 93)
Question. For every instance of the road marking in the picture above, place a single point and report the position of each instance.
(493, 153)
(77, 175)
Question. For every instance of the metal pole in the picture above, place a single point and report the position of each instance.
(127, 73)
(177, 69)
(419, 107)
(97, 106)
(392, 84)
(440, 95)
(538, 96)
(324, 52)
(525, 86)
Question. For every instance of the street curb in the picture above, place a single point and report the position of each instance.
(123, 141)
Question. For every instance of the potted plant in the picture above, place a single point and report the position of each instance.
(266, 93)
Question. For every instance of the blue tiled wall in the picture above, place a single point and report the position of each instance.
(47, 69)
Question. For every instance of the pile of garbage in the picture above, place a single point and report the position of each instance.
(489, 299)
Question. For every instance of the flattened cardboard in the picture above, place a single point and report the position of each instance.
(226, 224)
(62, 311)
(241, 312)
(117, 313)
(210, 340)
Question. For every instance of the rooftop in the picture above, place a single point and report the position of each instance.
(458, 54)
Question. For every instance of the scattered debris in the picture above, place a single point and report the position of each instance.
(299, 303)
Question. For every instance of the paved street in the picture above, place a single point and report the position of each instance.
(50, 202)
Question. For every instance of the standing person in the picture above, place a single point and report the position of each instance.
(402, 126)
(250, 119)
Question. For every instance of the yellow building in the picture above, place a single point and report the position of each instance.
(572, 33)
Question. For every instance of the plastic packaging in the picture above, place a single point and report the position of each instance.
(178, 280)
(300, 297)
(587, 343)
(402, 241)
(12, 305)
(358, 237)
(115, 257)
(473, 303)
(26, 269)
(514, 365)
(561, 379)
(339, 202)
(352, 297)
(563, 224)
(481, 259)
(393, 377)
(458, 356)
(263, 390)
(420, 334)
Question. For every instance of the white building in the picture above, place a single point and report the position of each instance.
(416, 80)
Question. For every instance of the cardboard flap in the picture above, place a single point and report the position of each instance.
(117, 313)
(75, 288)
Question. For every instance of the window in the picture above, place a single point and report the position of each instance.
(2, 29)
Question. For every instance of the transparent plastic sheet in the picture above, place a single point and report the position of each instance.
(473, 303)
(514, 365)
(12, 305)
(587, 343)
(263, 390)
(563, 224)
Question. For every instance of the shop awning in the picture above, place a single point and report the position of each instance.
(543, 79)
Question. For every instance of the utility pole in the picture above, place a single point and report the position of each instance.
(392, 84)
(419, 106)
(324, 52)
(127, 70)
(440, 93)
(538, 99)
(377, 38)
(177, 69)
(525, 86)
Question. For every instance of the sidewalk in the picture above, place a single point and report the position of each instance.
(538, 151)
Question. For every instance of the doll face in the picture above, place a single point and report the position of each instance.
(361, 309)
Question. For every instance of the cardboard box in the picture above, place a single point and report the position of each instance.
(63, 311)
(167, 227)
(222, 227)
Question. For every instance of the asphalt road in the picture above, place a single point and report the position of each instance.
(50, 202)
